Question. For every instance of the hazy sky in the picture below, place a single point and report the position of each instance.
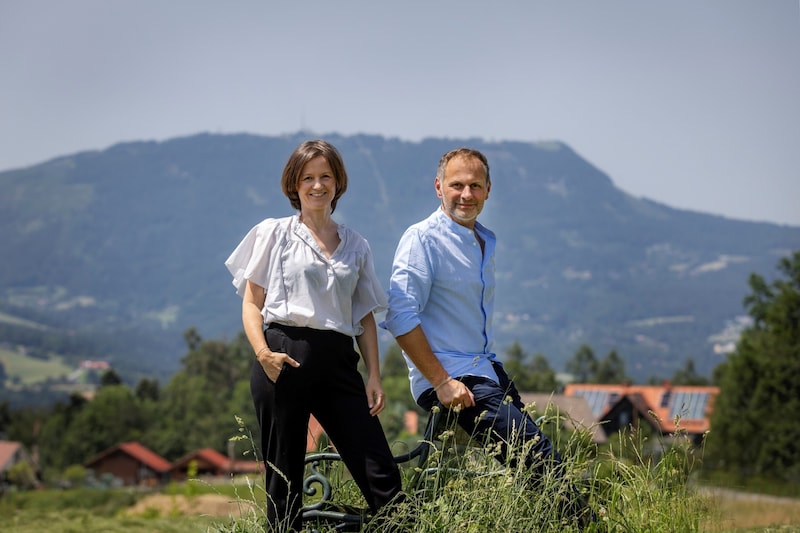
(692, 103)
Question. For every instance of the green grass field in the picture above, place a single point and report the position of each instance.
(16, 321)
(30, 370)
(121, 510)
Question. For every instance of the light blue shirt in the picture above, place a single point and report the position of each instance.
(442, 281)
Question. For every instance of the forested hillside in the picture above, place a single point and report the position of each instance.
(114, 254)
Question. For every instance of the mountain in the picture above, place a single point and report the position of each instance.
(113, 254)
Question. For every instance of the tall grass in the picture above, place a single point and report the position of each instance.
(636, 483)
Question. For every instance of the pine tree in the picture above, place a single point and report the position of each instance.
(754, 425)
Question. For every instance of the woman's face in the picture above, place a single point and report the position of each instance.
(316, 186)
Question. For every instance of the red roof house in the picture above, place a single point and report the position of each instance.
(667, 408)
(574, 412)
(11, 453)
(210, 462)
(132, 463)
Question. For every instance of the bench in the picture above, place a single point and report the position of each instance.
(325, 510)
(340, 517)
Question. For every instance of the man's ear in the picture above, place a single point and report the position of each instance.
(438, 186)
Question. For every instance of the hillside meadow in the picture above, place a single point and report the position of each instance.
(199, 507)
(578, 260)
(28, 370)
(630, 486)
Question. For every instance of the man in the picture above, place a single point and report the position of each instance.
(441, 299)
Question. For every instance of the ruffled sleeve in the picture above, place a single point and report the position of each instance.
(369, 295)
(251, 258)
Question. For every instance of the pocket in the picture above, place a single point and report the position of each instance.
(276, 340)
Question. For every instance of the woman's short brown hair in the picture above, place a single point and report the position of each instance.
(302, 155)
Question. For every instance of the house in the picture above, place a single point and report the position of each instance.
(12, 453)
(208, 462)
(666, 408)
(132, 463)
(574, 410)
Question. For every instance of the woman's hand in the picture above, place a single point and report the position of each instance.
(376, 398)
(272, 362)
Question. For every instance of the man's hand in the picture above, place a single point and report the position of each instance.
(455, 395)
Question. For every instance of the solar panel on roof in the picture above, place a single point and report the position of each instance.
(597, 400)
(689, 405)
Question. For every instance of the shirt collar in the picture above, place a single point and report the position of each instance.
(453, 225)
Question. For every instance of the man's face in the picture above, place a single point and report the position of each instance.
(463, 189)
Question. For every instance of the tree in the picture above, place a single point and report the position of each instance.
(192, 338)
(148, 389)
(583, 365)
(22, 475)
(110, 377)
(530, 374)
(191, 415)
(53, 453)
(515, 367)
(114, 415)
(5, 419)
(542, 375)
(221, 363)
(394, 380)
(394, 364)
(198, 406)
(688, 375)
(610, 370)
(754, 424)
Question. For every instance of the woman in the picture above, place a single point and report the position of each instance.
(308, 286)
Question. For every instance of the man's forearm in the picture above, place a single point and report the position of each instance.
(415, 345)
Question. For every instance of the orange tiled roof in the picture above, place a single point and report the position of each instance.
(690, 406)
(8, 449)
(209, 455)
(139, 452)
(575, 409)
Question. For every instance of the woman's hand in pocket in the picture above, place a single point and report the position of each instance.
(272, 363)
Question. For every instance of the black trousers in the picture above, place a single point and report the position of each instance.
(328, 385)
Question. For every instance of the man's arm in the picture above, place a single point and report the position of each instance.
(450, 392)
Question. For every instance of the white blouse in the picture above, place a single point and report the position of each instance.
(305, 288)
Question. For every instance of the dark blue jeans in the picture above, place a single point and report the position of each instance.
(505, 420)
